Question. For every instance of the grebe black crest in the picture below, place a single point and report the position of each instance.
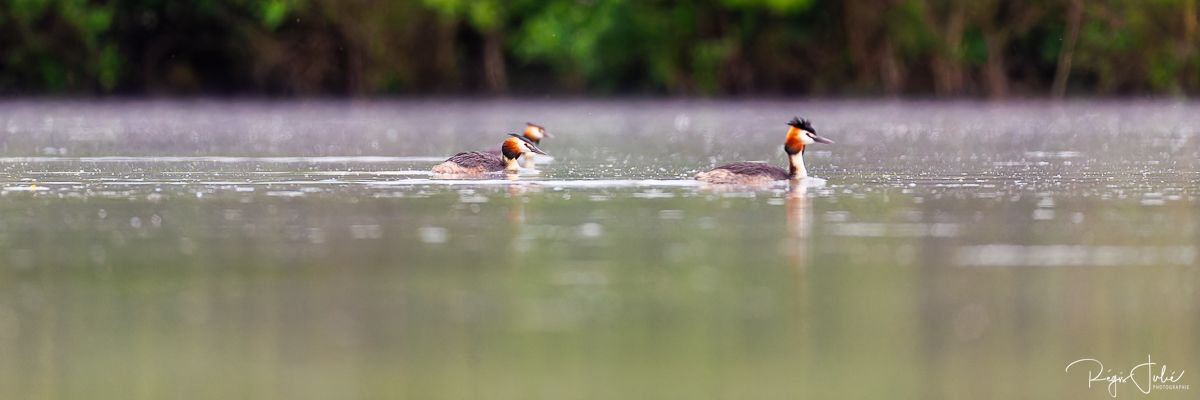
(800, 134)
(479, 162)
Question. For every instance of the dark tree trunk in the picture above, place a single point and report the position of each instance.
(858, 19)
(495, 74)
(947, 63)
(1062, 71)
(891, 70)
(994, 70)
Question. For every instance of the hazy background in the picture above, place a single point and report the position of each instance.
(599, 47)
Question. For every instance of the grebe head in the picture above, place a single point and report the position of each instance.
(535, 132)
(801, 133)
(516, 145)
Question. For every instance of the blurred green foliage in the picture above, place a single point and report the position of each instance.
(686, 47)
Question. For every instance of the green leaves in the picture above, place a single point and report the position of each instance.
(108, 67)
(776, 6)
(481, 14)
(685, 47)
(273, 12)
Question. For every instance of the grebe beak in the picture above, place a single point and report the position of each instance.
(820, 139)
(535, 149)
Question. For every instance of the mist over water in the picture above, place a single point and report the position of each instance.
(302, 250)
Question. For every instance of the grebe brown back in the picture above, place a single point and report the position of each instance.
(800, 134)
(479, 162)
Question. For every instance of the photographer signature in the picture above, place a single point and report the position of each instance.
(1141, 376)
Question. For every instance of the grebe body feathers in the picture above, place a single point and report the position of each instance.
(472, 162)
(744, 173)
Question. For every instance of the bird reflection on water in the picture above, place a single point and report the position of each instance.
(799, 224)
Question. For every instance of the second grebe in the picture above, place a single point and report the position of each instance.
(479, 162)
(535, 132)
(800, 133)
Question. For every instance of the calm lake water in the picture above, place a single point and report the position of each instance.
(300, 250)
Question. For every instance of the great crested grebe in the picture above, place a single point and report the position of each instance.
(479, 162)
(800, 133)
(535, 133)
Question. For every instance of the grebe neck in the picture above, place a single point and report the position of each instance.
(510, 164)
(796, 167)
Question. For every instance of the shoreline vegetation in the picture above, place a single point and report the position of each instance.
(567, 48)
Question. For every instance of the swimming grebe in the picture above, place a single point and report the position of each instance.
(478, 162)
(800, 133)
(534, 133)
